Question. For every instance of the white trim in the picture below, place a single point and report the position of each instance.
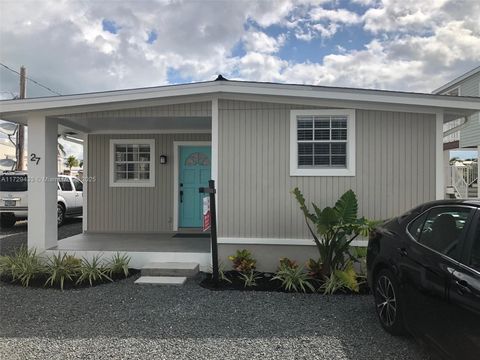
(478, 169)
(215, 140)
(112, 99)
(176, 159)
(85, 184)
(135, 183)
(439, 171)
(276, 241)
(351, 153)
(151, 132)
(458, 87)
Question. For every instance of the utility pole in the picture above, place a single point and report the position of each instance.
(21, 128)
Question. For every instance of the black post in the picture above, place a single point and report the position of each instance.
(213, 234)
(213, 228)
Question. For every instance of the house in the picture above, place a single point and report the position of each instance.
(462, 134)
(147, 151)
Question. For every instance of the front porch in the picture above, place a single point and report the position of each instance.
(140, 247)
(133, 190)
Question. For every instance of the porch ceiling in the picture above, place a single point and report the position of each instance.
(92, 124)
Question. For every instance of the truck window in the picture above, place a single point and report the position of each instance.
(65, 184)
(13, 183)
(78, 184)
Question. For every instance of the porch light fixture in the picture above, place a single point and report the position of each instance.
(163, 159)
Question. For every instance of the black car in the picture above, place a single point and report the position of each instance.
(424, 272)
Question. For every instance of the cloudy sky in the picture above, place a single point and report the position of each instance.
(82, 46)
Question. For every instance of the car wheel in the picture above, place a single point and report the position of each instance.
(7, 221)
(60, 214)
(387, 302)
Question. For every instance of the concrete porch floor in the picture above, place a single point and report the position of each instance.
(157, 242)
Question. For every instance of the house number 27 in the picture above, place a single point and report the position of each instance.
(34, 158)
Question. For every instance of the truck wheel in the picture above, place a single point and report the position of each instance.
(60, 214)
(7, 221)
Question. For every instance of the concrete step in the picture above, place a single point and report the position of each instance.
(161, 280)
(170, 269)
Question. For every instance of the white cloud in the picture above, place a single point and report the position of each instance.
(417, 45)
(335, 16)
(258, 41)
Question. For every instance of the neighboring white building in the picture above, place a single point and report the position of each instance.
(462, 182)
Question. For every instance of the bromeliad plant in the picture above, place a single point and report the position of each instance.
(62, 267)
(293, 277)
(243, 261)
(333, 230)
(118, 265)
(23, 266)
(93, 271)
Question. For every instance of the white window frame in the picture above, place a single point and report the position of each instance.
(132, 183)
(349, 170)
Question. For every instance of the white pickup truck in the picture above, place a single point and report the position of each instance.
(14, 198)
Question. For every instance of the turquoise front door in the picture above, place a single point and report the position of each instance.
(194, 173)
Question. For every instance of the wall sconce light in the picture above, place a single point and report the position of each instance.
(163, 159)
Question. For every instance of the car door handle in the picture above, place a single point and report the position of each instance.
(462, 287)
(402, 251)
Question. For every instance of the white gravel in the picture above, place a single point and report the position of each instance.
(127, 321)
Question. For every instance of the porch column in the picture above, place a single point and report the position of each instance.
(42, 188)
(439, 171)
(86, 184)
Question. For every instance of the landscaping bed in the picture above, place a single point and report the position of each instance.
(62, 271)
(41, 281)
(266, 282)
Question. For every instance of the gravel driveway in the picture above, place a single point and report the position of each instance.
(11, 239)
(127, 321)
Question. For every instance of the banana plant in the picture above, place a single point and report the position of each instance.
(334, 228)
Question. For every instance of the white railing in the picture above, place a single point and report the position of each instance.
(460, 178)
(450, 125)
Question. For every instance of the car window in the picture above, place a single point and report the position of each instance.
(416, 227)
(443, 229)
(78, 184)
(65, 184)
(474, 261)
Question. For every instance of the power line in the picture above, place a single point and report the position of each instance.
(35, 82)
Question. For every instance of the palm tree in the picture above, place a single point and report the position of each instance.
(71, 162)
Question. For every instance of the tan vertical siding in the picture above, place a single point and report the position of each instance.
(132, 209)
(394, 169)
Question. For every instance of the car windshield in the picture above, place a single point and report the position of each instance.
(12, 183)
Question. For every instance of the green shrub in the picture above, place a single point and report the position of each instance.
(341, 280)
(24, 266)
(250, 278)
(314, 268)
(221, 273)
(92, 271)
(333, 229)
(243, 261)
(286, 262)
(293, 277)
(62, 267)
(118, 265)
